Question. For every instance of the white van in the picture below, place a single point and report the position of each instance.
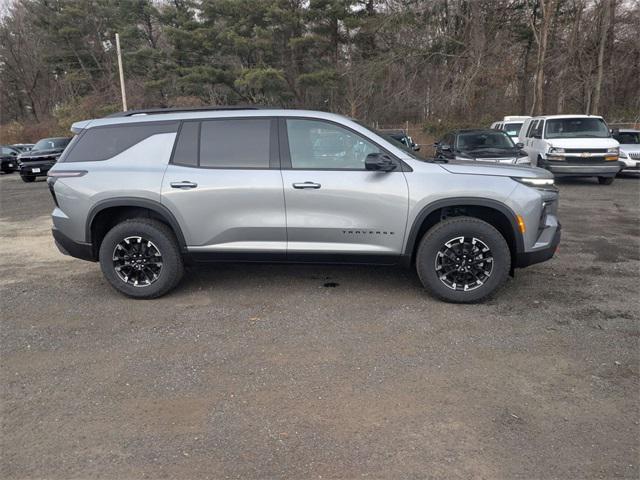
(572, 146)
(511, 125)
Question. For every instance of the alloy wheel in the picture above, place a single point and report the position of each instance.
(464, 263)
(137, 261)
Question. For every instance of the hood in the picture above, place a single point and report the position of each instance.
(40, 153)
(630, 147)
(491, 152)
(501, 170)
(582, 142)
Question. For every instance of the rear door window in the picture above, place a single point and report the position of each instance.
(236, 143)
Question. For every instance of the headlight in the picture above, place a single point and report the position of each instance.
(623, 155)
(556, 150)
(523, 160)
(535, 182)
(613, 150)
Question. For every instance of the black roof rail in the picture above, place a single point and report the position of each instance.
(158, 111)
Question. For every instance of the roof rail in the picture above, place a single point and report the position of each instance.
(158, 111)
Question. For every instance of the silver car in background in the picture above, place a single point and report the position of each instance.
(629, 140)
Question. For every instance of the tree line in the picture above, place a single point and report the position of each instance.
(437, 63)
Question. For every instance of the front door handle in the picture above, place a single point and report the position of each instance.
(184, 184)
(307, 185)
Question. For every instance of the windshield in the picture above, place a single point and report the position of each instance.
(576, 128)
(51, 143)
(475, 140)
(512, 129)
(627, 138)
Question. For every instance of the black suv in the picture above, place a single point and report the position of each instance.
(44, 154)
(480, 145)
(8, 159)
(402, 137)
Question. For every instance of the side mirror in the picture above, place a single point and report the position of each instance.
(520, 145)
(380, 162)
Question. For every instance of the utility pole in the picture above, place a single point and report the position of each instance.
(122, 90)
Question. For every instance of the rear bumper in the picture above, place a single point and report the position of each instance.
(525, 259)
(601, 170)
(67, 246)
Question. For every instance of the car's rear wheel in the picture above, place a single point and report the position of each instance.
(28, 178)
(605, 180)
(141, 258)
(463, 260)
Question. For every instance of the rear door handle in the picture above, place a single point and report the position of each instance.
(184, 184)
(307, 185)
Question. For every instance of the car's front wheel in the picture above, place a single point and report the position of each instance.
(141, 258)
(463, 260)
(605, 180)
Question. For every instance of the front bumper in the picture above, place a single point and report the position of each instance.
(8, 165)
(67, 246)
(524, 259)
(41, 168)
(630, 165)
(610, 169)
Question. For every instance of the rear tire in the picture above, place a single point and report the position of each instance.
(159, 268)
(487, 260)
(28, 178)
(605, 180)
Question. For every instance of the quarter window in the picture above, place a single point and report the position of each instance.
(321, 145)
(102, 143)
(186, 152)
(242, 143)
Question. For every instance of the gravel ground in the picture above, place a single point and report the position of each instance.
(256, 371)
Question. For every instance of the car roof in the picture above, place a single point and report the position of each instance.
(477, 130)
(550, 117)
(164, 115)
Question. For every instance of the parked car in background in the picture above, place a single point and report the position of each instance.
(144, 191)
(23, 147)
(629, 141)
(8, 159)
(44, 154)
(511, 125)
(402, 137)
(572, 146)
(480, 145)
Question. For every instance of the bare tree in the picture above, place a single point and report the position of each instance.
(548, 9)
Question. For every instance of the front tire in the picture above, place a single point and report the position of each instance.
(463, 260)
(141, 258)
(605, 180)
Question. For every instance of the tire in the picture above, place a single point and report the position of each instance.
(476, 234)
(28, 178)
(155, 237)
(605, 180)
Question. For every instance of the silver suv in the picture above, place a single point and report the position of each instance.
(145, 192)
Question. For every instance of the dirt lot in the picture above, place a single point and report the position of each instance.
(250, 371)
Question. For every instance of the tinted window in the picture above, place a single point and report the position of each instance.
(51, 143)
(576, 128)
(186, 152)
(102, 143)
(320, 145)
(531, 128)
(476, 141)
(627, 138)
(243, 143)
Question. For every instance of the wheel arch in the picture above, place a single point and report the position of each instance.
(493, 212)
(105, 214)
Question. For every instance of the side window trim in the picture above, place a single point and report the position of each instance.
(274, 144)
(285, 153)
